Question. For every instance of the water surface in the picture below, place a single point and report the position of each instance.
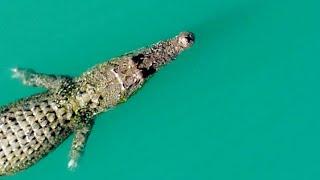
(243, 103)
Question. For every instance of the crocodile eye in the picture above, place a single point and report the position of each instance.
(138, 58)
(147, 72)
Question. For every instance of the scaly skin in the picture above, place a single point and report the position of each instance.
(30, 128)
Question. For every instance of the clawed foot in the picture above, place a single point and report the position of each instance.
(72, 164)
(22, 74)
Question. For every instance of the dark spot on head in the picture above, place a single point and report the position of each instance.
(190, 37)
(138, 58)
(186, 39)
(147, 72)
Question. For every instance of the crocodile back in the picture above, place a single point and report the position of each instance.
(30, 128)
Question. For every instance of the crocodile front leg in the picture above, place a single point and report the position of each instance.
(31, 78)
(82, 131)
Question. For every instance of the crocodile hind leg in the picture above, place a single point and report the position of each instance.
(82, 132)
(31, 78)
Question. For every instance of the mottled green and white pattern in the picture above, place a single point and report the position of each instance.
(31, 127)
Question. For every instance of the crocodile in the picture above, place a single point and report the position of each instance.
(32, 127)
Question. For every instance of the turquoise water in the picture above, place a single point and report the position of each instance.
(242, 103)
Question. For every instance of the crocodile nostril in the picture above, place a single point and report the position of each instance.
(190, 37)
(186, 39)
